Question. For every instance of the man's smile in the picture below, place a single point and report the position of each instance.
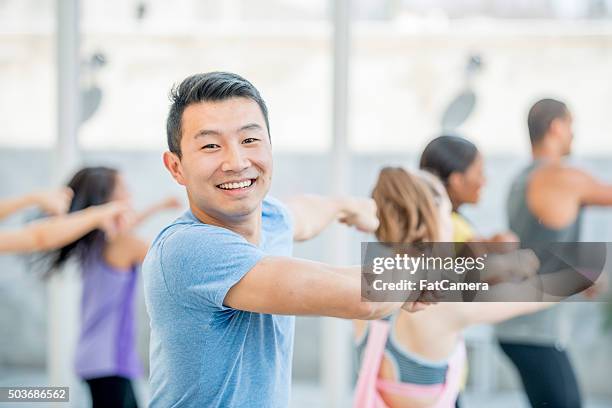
(237, 185)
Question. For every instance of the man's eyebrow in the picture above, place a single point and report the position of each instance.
(212, 132)
(250, 126)
(206, 132)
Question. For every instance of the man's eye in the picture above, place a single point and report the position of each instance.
(210, 146)
(250, 140)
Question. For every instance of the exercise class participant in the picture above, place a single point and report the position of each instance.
(545, 204)
(221, 287)
(460, 167)
(106, 356)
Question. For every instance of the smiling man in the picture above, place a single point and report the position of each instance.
(221, 287)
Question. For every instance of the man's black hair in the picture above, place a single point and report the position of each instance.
(211, 86)
(541, 115)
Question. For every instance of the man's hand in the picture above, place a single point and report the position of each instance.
(359, 213)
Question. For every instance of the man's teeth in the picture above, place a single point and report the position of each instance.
(233, 186)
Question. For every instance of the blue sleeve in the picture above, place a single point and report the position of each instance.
(288, 218)
(280, 217)
(201, 263)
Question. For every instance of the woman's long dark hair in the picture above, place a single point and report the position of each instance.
(91, 186)
(446, 155)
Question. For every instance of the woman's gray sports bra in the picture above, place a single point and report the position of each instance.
(409, 367)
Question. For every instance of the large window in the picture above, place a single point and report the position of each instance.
(133, 51)
(409, 66)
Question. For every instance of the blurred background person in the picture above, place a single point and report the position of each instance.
(106, 357)
(546, 204)
(460, 167)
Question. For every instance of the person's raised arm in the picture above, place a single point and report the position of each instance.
(53, 202)
(279, 285)
(168, 203)
(312, 214)
(592, 191)
(471, 313)
(546, 291)
(55, 232)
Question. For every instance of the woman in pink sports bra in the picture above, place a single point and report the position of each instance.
(417, 360)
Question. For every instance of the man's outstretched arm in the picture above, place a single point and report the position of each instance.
(313, 213)
(291, 286)
(592, 191)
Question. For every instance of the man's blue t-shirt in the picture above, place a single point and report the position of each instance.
(202, 353)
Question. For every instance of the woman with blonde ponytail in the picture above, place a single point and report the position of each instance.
(417, 360)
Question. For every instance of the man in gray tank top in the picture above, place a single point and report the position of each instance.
(545, 204)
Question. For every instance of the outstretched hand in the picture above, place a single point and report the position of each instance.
(413, 307)
(425, 299)
(116, 217)
(361, 214)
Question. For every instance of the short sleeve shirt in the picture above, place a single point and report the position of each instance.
(203, 353)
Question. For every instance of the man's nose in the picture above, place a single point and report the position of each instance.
(235, 160)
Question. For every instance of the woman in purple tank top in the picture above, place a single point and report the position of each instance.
(106, 356)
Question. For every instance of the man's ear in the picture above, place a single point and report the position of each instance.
(556, 126)
(174, 166)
